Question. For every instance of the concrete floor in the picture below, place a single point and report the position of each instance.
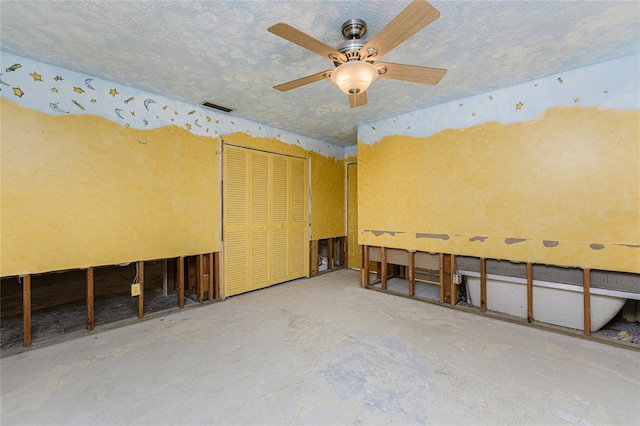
(322, 351)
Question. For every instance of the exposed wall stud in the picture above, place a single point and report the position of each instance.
(90, 299)
(412, 273)
(483, 284)
(330, 254)
(141, 295)
(383, 267)
(365, 260)
(529, 292)
(217, 276)
(454, 287)
(201, 279)
(314, 258)
(362, 266)
(210, 279)
(180, 282)
(26, 309)
(441, 277)
(586, 292)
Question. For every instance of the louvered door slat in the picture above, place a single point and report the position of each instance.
(236, 222)
(259, 236)
(280, 215)
(298, 241)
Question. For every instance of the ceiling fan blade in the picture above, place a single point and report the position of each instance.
(412, 19)
(293, 84)
(412, 73)
(358, 100)
(296, 36)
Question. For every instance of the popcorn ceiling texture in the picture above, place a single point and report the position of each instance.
(221, 51)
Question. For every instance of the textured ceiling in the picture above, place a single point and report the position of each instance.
(221, 51)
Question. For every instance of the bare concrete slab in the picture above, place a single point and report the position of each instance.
(321, 351)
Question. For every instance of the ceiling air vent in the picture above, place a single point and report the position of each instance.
(218, 107)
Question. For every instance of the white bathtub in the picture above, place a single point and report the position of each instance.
(553, 303)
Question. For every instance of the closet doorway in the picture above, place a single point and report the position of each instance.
(265, 219)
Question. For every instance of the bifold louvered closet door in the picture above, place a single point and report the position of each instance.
(265, 232)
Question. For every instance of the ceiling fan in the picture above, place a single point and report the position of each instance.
(355, 60)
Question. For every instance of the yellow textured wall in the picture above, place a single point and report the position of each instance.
(327, 183)
(80, 190)
(563, 189)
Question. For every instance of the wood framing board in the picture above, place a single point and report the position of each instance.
(483, 284)
(141, 295)
(364, 267)
(314, 248)
(180, 281)
(586, 292)
(442, 278)
(26, 309)
(454, 288)
(330, 254)
(412, 273)
(201, 278)
(383, 267)
(90, 299)
(217, 277)
(210, 277)
(529, 292)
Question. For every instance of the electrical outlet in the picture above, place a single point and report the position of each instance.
(135, 289)
(457, 279)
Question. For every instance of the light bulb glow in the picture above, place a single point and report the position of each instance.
(354, 77)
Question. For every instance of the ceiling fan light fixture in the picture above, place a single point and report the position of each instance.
(354, 77)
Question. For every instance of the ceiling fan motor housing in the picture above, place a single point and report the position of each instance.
(354, 29)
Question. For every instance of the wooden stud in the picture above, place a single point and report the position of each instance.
(180, 282)
(529, 292)
(412, 273)
(586, 292)
(365, 259)
(192, 275)
(330, 254)
(344, 252)
(171, 275)
(141, 295)
(201, 277)
(216, 275)
(362, 266)
(383, 267)
(441, 277)
(454, 287)
(314, 258)
(26, 309)
(211, 275)
(483, 284)
(90, 298)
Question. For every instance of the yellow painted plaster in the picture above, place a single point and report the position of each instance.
(572, 176)
(327, 183)
(80, 190)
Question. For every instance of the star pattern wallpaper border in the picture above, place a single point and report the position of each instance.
(613, 84)
(57, 91)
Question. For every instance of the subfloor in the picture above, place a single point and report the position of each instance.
(321, 351)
